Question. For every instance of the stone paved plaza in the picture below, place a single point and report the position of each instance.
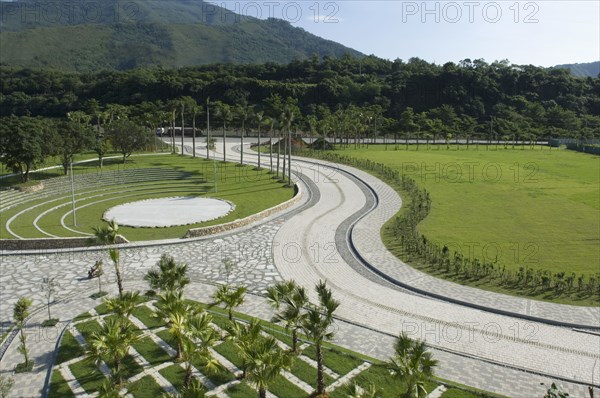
(500, 353)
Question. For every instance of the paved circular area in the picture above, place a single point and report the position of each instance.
(168, 212)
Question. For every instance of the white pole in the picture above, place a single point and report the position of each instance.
(208, 143)
(73, 195)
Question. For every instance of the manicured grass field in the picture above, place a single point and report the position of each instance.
(142, 177)
(340, 360)
(533, 208)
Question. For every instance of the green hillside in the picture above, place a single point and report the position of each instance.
(139, 33)
(591, 69)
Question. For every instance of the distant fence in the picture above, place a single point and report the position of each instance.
(587, 146)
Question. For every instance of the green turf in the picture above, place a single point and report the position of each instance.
(88, 327)
(175, 374)
(69, 348)
(151, 351)
(88, 375)
(340, 362)
(307, 373)
(241, 390)
(536, 209)
(59, 387)
(145, 387)
(282, 387)
(539, 207)
(146, 316)
(250, 190)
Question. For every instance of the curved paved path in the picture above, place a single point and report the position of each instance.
(477, 348)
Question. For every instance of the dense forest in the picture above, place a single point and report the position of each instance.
(471, 97)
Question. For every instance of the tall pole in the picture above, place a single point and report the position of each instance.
(182, 126)
(208, 143)
(290, 157)
(207, 128)
(73, 195)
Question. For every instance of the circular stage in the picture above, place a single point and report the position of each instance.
(168, 212)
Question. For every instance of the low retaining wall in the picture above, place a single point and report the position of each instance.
(47, 244)
(214, 229)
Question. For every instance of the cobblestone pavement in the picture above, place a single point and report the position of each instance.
(475, 347)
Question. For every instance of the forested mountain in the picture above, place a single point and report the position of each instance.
(591, 69)
(469, 98)
(118, 35)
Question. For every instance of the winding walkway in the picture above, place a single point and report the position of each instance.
(501, 353)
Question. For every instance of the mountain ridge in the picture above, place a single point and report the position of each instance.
(585, 69)
(167, 33)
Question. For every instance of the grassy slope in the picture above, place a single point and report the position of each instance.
(542, 211)
(251, 191)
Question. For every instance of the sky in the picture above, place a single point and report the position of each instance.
(542, 33)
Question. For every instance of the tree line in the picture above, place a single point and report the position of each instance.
(469, 98)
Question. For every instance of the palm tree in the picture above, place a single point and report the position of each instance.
(295, 300)
(112, 342)
(317, 326)
(195, 109)
(230, 297)
(413, 364)
(259, 116)
(243, 112)
(194, 390)
(172, 308)
(167, 275)
(107, 235)
(288, 118)
(244, 335)
(196, 346)
(266, 360)
(224, 112)
(356, 391)
(123, 305)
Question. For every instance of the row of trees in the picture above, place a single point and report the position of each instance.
(525, 99)
(27, 142)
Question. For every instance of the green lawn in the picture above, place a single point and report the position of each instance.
(69, 348)
(527, 207)
(536, 209)
(250, 190)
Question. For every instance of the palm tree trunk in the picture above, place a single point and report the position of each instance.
(259, 145)
(320, 382)
(262, 393)
(224, 137)
(271, 149)
(290, 158)
(188, 375)
(182, 129)
(194, 136)
(294, 340)
(285, 145)
(278, 153)
(119, 280)
(242, 144)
